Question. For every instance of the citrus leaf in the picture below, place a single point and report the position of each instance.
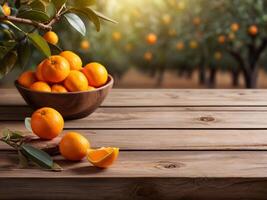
(1, 11)
(51, 10)
(76, 22)
(13, 25)
(27, 123)
(81, 3)
(34, 15)
(55, 49)
(37, 156)
(100, 15)
(90, 14)
(40, 43)
(23, 161)
(8, 63)
(24, 53)
(37, 5)
(58, 3)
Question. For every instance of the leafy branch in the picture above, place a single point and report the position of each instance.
(28, 154)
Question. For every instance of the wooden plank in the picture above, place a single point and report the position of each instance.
(160, 117)
(173, 139)
(134, 188)
(166, 97)
(152, 164)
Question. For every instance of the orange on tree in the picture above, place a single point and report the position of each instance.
(180, 45)
(74, 60)
(96, 74)
(27, 78)
(235, 27)
(47, 123)
(103, 157)
(116, 36)
(221, 39)
(76, 81)
(85, 44)
(51, 37)
(253, 30)
(73, 146)
(55, 69)
(6, 9)
(38, 72)
(151, 38)
(148, 56)
(58, 88)
(40, 86)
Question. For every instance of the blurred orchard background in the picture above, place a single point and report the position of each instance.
(174, 43)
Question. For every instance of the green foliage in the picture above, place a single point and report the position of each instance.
(30, 19)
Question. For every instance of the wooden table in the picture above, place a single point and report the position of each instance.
(175, 144)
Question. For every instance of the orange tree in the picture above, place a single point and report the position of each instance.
(23, 23)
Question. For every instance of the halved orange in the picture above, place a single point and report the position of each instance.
(103, 157)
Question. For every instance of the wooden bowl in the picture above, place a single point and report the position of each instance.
(71, 105)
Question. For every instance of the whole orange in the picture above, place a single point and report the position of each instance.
(253, 30)
(221, 39)
(51, 37)
(58, 88)
(55, 69)
(38, 72)
(73, 146)
(85, 45)
(6, 9)
(76, 81)
(27, 78)
(234, 27)
(40, 86)
(47, 123)
(151, 38)
(73, 59)
(96, 74)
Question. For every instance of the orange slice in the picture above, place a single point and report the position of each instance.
(103, 157)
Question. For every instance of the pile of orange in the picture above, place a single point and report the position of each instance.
(64, 73)
(47, 123)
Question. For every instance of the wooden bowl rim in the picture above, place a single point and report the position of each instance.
(109, 83)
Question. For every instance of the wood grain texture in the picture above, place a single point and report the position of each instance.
(168, 139)
(152, 164)
(166, 97)
(134, 188)
(159, 117)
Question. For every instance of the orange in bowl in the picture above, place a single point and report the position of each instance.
(27, 78)
(96, 74)
(76, 81)
(55, 69)
(40, 86)
(73, 59)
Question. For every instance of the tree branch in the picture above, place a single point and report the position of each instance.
(27, 21)
(39, 25)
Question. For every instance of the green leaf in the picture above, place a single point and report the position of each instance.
(58, 3)
(76, 22)
(23, 161)
(51, 10)
(55, 50)
(8, 63)
(24, 53)
(13, 25)
(1, 11)
(27, 123)
(81, 3)
(5, 47)
(100, 15)
(90, 14)
(37, 156)
(34, 15)
(56, 167)
(38, 5)
(40, 43)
